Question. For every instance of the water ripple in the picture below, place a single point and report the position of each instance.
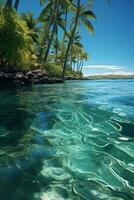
(68, 142)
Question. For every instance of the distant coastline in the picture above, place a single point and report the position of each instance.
(110, 76)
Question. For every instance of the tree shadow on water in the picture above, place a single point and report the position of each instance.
(18, 166)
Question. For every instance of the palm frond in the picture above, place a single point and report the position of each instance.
(88, 24)
(89, 14)
(46, 10)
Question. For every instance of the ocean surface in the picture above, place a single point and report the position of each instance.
(72, 141)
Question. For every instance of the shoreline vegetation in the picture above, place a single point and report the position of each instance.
(43, 49)
(43, 77)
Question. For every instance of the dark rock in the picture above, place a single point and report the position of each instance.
(19, 76)
(40, 75)
(29, 74)
(36, 81)
(55, 80)
(5, 75)
(11, 76)
(36, 71)
(31, 77)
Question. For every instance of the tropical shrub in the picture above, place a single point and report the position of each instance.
(53, 69)
(16, 51)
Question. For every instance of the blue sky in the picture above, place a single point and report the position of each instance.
(113, 43)
(112, 46)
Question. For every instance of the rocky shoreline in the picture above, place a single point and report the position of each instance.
(27, 78)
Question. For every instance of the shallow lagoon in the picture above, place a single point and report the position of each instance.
(72, 141)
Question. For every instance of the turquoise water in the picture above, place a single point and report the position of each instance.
(72, 141)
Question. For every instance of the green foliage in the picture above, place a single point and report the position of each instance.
(15, 41)
(51, 41)
(31, 23)
(73, 74)
(53, 69)
(56, 70)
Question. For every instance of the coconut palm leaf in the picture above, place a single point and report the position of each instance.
(87, 24)
(46, 10)
(89, 14)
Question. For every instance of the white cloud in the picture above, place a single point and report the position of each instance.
(105, 67)
(112, 73)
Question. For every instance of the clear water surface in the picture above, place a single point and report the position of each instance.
(72, 141)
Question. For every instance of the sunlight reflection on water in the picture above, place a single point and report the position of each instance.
(69, 141)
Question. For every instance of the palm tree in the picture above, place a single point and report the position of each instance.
(66, 7)
(32, 25)
(47, 18)
(55, 15)
(8, 3)
(76, 47)
(71, 37)
(84, 57)
(54, 8)
(80, 16)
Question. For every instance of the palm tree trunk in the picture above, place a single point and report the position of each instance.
(56, 6)
(71, 39)
(16, 4)
(81, 68)
(78, 61)
(48, 27)
(57, 46)
(80, 64)
(64, 35)
(9, 3)
(71, 59)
